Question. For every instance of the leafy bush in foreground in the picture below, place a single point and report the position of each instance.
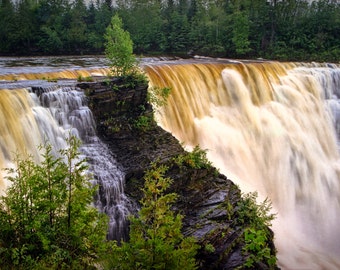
(156, 241)
(46, 218)
(257, 219)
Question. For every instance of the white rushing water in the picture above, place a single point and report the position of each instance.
(68, 107)
(51, 114)
(270, 128)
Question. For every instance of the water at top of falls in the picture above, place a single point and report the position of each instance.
(20, 72)
(9, 65)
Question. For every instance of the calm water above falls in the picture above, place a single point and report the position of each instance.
(270, 127)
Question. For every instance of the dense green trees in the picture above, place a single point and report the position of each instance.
(7, 29)
(296, 30)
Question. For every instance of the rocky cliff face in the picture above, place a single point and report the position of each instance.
(208, 200)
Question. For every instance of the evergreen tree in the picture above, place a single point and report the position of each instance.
(284, 30)
(178, 29)
(77, 29)
(26, 27)
(95, 32)
(7, 26)
(146, 31)
(53, 19)
(156, 240)
(240, 32)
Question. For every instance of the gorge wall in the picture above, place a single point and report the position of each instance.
(208, 200)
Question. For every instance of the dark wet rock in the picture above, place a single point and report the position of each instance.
(207, 200)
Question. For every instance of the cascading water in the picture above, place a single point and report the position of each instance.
(19, 131)
(51, 114)
(68, 107)
(270, 128)
(267, 126)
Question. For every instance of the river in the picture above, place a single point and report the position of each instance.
(269, 126)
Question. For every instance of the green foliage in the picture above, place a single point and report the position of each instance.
(177, 27)
(7, 13)
(119, 48)
(143, 122)
(84, 79)
(240, 32)
(156, 241)
(257, 249)
(158, 97)
(134, 78)
(196, 159)
(46, 217)
(251, 213)
(209, 248)
(257, 218)
(51, 80)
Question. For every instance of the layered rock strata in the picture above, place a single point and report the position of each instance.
(207, 199)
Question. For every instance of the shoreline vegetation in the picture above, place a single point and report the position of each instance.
(297, 30)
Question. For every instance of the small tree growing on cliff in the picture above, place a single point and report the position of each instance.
(156, 240)
(119, 48)
(257, 220)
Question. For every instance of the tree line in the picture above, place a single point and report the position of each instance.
(284, 30)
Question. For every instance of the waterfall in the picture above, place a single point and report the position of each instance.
(19, 131)
(270, 127)
(28, 117)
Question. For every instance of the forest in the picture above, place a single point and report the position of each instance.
(275, 29)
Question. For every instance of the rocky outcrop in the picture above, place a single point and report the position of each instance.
(207, 199)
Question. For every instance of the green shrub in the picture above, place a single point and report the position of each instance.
(84, 79)
(253, 214)
(51, 79)
(256, 248)
(46, 218)
(158, 96)
(257, 219)
(196, 159)
(209, 248)
(156, 241)
(143, 123)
